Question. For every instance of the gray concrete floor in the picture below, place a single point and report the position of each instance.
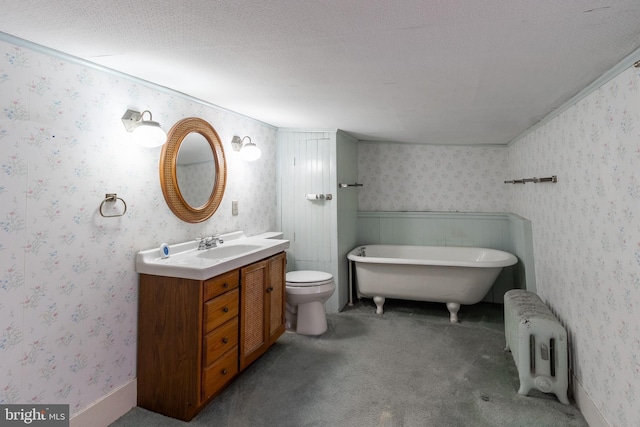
(407, 367)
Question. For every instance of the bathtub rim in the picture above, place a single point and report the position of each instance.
(509, 258)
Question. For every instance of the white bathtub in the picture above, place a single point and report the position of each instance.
(452, 275)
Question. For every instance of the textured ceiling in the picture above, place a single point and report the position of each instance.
(420, 71)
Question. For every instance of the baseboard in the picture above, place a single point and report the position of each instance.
(587, 407)
(109, 408)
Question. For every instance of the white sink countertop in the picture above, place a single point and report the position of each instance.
(187, 262)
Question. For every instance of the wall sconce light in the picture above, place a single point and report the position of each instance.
(146, 133)
(248, 151)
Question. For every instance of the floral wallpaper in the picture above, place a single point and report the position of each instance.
(68, 286)
(403, 177)
(586, 235)
(586, 227)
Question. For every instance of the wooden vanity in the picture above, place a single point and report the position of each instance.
(196, 336)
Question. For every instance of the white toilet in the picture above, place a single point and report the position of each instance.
(307, 291)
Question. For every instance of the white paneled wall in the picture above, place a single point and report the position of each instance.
(503, 231)
(347, 203)
(311, 169)
(308, 165)
(305, 168)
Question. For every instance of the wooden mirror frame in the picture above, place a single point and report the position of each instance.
(169, 179)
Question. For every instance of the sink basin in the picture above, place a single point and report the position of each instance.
(221, 252)
(187, 262)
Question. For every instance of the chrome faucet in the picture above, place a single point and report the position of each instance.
(209, 242)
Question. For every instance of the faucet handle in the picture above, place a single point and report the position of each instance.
(201, 242)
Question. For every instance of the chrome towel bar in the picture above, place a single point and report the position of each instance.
(535, 180)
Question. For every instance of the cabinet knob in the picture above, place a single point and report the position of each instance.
(226, 285)
(225, 309)
(270, 289)
(225, 340)
(224, 371)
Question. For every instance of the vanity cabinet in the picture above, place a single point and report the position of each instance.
(195, 336)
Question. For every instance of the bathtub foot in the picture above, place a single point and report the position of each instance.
(453, 311)
(379, 303)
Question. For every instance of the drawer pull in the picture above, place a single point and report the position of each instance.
(225, 340)
(269, 290)
(225, 309)
(224, 371)
(226, 285)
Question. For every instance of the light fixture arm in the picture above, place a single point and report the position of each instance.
(132, 119)
(236, 142)
(153, 134)
(248, 151)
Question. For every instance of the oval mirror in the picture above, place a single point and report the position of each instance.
(193, 172)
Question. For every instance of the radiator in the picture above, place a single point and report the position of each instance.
(538, 343)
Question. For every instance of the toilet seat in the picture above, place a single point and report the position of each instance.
(311, 289)
(306, 293)
(307, 278)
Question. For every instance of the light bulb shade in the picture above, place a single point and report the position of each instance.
(149, 134)
(250, 152)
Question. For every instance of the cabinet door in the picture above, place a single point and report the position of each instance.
(253, 312)
(276, 296)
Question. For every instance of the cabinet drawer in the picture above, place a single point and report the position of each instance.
(220, 373)
(220, 310)
(220, 340)
(221, 284)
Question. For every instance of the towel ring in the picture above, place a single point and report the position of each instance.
(112, 198)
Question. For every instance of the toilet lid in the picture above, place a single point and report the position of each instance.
(307, 277)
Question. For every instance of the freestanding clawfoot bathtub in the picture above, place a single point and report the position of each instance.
(452, 275)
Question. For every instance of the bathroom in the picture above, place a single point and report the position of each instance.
(68, 285)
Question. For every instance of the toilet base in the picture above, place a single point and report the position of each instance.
(311, 319)
(290, 317)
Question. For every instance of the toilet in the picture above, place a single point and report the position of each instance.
(307, 291)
